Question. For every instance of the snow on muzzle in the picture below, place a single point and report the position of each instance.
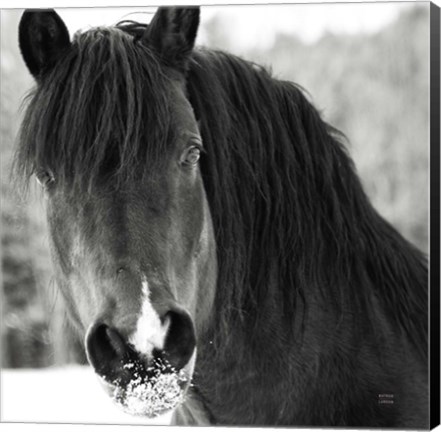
(144, 384)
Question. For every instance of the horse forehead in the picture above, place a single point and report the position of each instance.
(182, 110)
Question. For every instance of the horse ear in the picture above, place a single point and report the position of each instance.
(172, 33)
(42, 36)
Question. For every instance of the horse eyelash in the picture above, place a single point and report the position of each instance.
(202, 149)
(199, 145)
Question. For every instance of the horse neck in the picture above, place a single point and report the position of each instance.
(267, 372)
(343, 259)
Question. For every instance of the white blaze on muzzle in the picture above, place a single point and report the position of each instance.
(150, 333)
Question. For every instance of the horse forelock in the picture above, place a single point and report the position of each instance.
(103, 110)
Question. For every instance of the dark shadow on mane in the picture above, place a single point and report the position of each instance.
(288, 208)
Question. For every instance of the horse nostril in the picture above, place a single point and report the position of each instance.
(181, 340)
(116, 342)
(106, 349)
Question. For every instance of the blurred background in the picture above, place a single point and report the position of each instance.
(365, 67)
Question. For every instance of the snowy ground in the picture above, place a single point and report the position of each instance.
(61, 395)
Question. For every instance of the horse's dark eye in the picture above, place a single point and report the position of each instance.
(44, 178)
(191, 156)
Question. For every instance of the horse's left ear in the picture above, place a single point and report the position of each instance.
(42, 36)
(172, 33)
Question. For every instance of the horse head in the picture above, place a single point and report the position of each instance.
(117, 154)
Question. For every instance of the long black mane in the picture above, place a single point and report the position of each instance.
(290, 215)
(295, 209)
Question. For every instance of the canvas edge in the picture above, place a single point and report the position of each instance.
(434, 359)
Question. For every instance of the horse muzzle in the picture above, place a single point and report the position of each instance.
(144, 384)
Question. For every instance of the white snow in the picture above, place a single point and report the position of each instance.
(161, 393)
(70, 394)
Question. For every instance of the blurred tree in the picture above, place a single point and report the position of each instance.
(215, 34)
(30, 312)
(21, 346)
(375, 89)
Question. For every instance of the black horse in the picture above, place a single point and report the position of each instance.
(207, 226)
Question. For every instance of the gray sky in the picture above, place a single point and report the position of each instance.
(257, 24)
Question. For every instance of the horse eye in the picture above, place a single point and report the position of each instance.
(191, 156)
(44, 178)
